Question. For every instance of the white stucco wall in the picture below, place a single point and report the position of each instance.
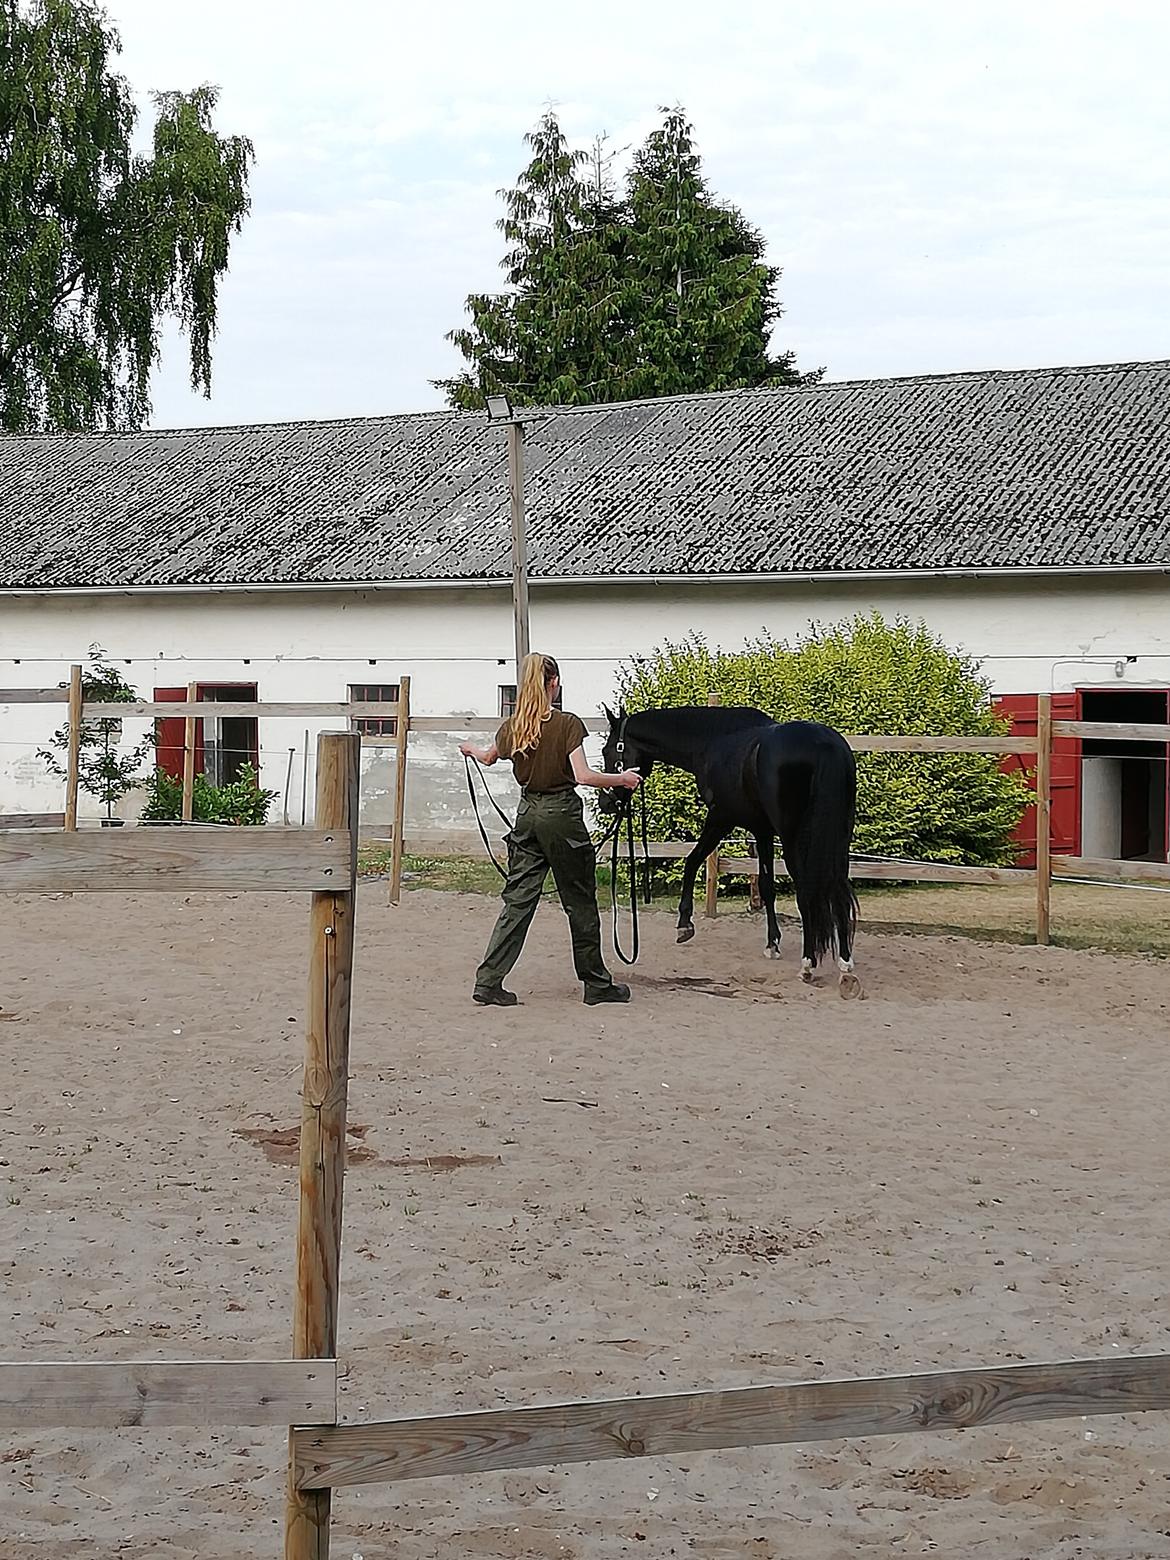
(1040, 635)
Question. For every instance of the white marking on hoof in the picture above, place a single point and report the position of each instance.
(806, 971)
(771, 953)
(845, 966)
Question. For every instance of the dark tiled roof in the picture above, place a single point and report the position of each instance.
(1060, 468)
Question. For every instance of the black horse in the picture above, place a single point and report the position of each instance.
(796, 781)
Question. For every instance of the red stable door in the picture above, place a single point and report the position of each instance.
(171, 734)
(1020, 708)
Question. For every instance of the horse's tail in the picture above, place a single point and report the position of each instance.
(820, 870)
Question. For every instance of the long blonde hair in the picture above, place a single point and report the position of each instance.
(532, 701)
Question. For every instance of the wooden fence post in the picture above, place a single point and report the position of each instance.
(323, 1108)
(189, 757)
(73, 765)
(402, 739)
(712, 906)
(1043, 816)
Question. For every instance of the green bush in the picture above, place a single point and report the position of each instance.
(241, 801)
(862, 676)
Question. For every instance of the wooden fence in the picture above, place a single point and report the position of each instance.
(301, 1392)
(324, 862)
(191, 710)
(1038, 748)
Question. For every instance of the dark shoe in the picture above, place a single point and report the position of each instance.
(615, 993)
(494, 996)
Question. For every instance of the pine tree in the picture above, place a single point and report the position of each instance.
(709, 298)
(659, 291)
(547, 340)
(98, 244)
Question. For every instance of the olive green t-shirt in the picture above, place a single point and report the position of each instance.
(545, 766)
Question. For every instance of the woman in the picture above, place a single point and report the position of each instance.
(545, 748)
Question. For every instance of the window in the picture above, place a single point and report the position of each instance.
(376, 727)
(508, 700)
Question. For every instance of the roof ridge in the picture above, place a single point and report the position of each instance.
(553, 410)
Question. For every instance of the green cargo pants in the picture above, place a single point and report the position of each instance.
(550, 833)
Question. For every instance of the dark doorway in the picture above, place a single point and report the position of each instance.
(1134, 784)
(230, 741)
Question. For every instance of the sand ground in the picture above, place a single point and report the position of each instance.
(728, 1182)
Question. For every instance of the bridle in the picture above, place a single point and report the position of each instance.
(610, 836)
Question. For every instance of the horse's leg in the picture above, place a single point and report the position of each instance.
(766, 856)
(709, 837)
(848, 985)
(808, 960)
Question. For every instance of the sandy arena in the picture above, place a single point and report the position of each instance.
(726, 1183)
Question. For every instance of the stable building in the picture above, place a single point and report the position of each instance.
(1025, 516)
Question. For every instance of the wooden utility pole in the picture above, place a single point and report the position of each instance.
(519, 543)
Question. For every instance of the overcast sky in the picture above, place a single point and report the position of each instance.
(946, 186)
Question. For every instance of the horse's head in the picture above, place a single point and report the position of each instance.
(620, 752)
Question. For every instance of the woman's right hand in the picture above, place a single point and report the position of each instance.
(629, 779)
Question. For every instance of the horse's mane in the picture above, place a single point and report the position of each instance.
(708, 720)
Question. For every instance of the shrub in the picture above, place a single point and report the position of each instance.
(240, 801)
(862, 676)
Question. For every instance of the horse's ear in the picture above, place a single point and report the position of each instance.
(609, 715)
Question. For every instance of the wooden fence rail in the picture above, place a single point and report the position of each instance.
(123, 1394)
(190, 710)
(496, 1440)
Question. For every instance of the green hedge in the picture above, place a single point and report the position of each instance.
(862, 676)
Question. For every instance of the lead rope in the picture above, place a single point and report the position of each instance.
(625, 810)
(483, 833)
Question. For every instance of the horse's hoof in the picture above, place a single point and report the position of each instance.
(771, 951)
(849, 985)
(808, 976)
(685, 933)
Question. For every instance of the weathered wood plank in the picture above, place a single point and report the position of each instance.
(324, 1093)
(1043, 818)
(401, 758)
(73, 764)
(467, 725)
(869, 871)
(1102, 730)
(896, 872)
(934, 872)
(459, 726)
(1111, 871)
(744, 1416)
(34, 695)
(947, 744)
(120, 1394)
(173, 860)
(189, 709)
(32, 820)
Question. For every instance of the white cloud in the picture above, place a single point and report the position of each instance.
(945, 187)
